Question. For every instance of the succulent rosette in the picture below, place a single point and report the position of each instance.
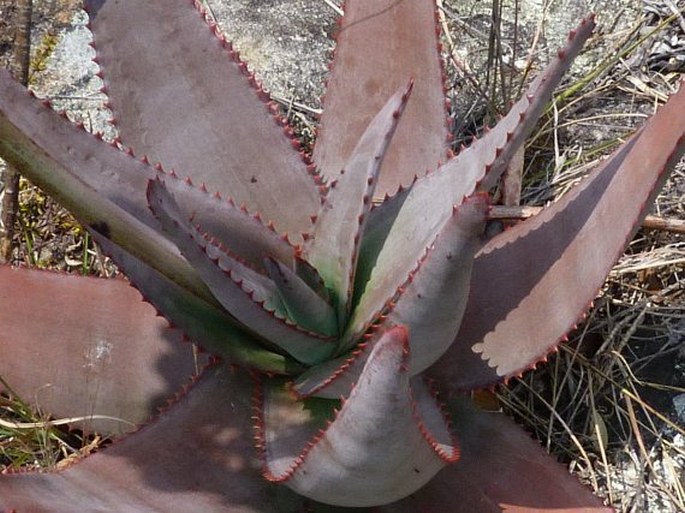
(352, 296)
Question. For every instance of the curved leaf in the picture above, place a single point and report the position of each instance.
(532, 282)
(196, 457)
(501, 469)
(432, 301)
(388, 440)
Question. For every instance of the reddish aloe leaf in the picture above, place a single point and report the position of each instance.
(432, 297)
(250, 297)
(363, 77)
(196, 457)
(43, 143)
(31, 138)
(532, 282)
(334, 246)
(181, 96)
(243, 233)
(76, 346)
(302, 303)
(388, 439)
(480, 165)
(206, 324)
(501, 469)
(114, 173)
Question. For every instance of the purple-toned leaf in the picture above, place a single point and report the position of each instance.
(432, 301)
(363, 78)
(31, 132)
(196, 457)
(388, 439)
(247, 295)
(234, 227)
(31, 140)
(427, 206)
(205, 324)
(334, 245)
(74, 346)
(501, 469)
(302, 303)
(181, 96)
(532, 282)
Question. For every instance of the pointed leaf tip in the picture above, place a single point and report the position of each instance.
(334, 247)
(358, 88)
(570, 246)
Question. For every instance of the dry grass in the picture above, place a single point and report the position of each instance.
(604, 403)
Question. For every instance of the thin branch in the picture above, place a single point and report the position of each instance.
(651, 222)
(20, 70)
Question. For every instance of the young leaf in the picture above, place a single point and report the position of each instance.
(304, 306)
(334, 245)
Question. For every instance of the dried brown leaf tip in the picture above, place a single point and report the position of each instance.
(331, 335)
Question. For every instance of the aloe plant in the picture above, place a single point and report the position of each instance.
(348, 332)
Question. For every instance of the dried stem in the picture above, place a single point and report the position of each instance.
(20, 70)
(499, 212)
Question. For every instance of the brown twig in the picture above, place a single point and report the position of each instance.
(500, 212)
(20, 70)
